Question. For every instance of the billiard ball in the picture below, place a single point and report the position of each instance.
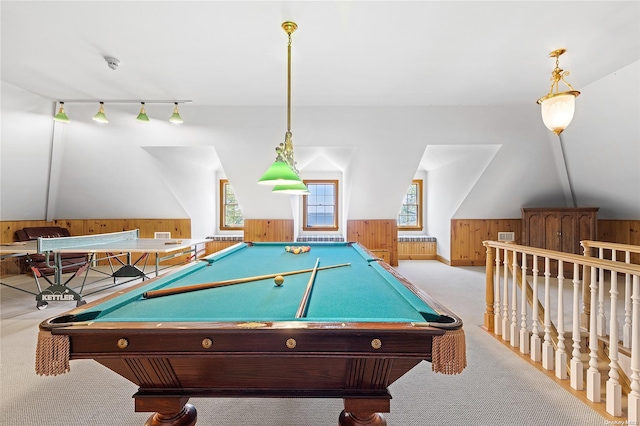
(279, 280)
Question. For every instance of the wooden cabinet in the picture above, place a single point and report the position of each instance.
(559, 229)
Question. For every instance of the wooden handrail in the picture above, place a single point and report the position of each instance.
(587, 244)
(623, 268)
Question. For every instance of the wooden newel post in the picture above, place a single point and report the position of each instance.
(489, 313)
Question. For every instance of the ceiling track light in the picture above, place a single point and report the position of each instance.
(61, 116)
(142, 116)
(558, 107)
(100, 117)
(283, 172)
(175, 117)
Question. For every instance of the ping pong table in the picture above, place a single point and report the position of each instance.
(18, 249)
(99, 247)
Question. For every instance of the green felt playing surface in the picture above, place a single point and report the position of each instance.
(362, 291)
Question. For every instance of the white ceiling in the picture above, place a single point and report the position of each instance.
(345, 53)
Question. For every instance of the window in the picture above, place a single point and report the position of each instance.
(410, 216)
(230, 213)
(320, 207)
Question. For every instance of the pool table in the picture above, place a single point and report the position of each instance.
(347, 331)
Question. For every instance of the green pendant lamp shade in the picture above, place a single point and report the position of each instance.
(142, 117)
(175, 117)
(100, 117)
(61, 116)
(283, 172)
(294, 189)
(280, 173)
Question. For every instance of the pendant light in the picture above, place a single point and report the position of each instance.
(142, 117)
(293, 189)
(100, 117)
(283, 171)
(175, 117)
(61, 116)
(558, 107)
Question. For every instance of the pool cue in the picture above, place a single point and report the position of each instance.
(178, 290)
(305, 298)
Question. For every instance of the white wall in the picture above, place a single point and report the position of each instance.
(25, 152)
(603, 145)
(128, 169)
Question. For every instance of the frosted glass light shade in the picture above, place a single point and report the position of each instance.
(557, 111)
(279, 174)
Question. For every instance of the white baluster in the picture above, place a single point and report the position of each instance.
(524, 334)
(497, 317)
(577, 372)
(505, 298)
(633, 399)
(593, 375)
(547, 346)
(514, 335)
(614, 389)
(561, 354)
(601, 325)
(626, 329)
(535, 315)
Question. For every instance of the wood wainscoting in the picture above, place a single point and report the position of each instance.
(379, 236)
(467, 236)
(214, 246)
(179, 228)
(622, 232)
(417, 250)
(275, 230)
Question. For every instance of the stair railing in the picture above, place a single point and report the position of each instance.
(545, 339)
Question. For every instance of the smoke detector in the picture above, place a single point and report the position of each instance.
(112, 62)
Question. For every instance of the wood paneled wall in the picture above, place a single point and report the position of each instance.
(214, 246)
(276, 230)
(380, 236)
(417, 250)
(179, 228)
(620, 231)
(467, 236)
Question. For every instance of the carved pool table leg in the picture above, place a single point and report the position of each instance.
(359, 419)
(365, 411)
(186, 417)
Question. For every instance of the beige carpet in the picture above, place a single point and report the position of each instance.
(497, 388)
